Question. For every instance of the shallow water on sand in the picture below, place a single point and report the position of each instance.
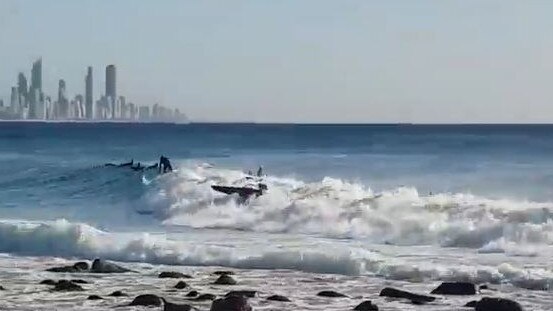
(21, 276)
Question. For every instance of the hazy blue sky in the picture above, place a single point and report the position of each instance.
(296, 60)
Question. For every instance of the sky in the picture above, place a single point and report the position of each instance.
(339, 61)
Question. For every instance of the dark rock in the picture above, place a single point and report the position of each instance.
(481, 287)
(65, 269)
(174, 275)
(192, 294)
(77, 267)
(2, 287)
(118, 293)
(181, 285)
(146, 300)
(225, 279)
(169, 306)
(244, 293)
(78, 281)
(223, 272)
(203, 297)
(102, 266)
(231, 303)
(94, 297)
(471, 304)
(48, 282)
(497, 304)
(396, 293)
(366, 306)
(67, 286)
(81, 266)
(455, 288)
(330, 293)
(278, 298)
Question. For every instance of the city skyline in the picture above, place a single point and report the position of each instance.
(297, 61)
(29, 102)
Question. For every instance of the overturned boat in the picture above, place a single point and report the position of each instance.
(244, 192)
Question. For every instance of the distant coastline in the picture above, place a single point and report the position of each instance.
(239, 123)
(93, 121)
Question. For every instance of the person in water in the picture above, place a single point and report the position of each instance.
(164, 165)
(127, 164)
(153, 166)
(121, 165)
(138, 167)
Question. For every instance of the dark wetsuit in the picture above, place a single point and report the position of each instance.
(120, 165)
(164, 165)
(138, 167)
(126, 164)
(153, 166)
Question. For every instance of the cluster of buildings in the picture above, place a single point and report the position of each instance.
(28, 102)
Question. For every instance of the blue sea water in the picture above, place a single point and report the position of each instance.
(464, 191)
(53, 164)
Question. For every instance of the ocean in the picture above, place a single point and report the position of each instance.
(351, 207)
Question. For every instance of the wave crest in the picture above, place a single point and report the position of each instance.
(340, 209)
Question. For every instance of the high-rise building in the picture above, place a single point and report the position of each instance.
(88, 95)
(22, 87)
(101, 109)
(48, 109)
(111, 90)
(38, 109)
(36, 75)
(77, 111)
(144, 113)
(155, 111)
(132, 111)
(123, 109)
(63, 103)
(14, 102)
(35, 104)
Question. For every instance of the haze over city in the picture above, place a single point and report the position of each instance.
(295, 61)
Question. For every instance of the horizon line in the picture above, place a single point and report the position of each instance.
(277, 123)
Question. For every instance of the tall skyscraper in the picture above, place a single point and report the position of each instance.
(63, 103)
(22, 87)
(14, 101)
(111, 90)
(88, 95)
(35, 104)
(34, 97)
(36, 75)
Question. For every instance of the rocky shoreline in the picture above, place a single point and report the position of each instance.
(224, 290)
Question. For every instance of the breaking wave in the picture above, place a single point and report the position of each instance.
(327, 226)
(336, 208)
(66, 239)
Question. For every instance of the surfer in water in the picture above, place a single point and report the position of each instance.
(139, 167)
(164, 165)
(121, 165)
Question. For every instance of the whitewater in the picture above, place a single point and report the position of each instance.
(382, 205)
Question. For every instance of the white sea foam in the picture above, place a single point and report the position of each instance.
(329, 226)
(62, 238)
(341, 209)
